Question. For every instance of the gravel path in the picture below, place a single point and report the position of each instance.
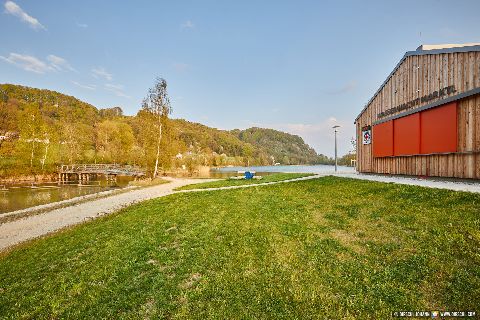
(464, 185)
(21, 230)
(30, 227)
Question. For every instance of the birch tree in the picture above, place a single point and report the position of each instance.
(157, 103)
(31, 127)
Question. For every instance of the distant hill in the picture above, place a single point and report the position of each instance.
(284, 147)
(215, 140)
(53, 104)
(40, 129)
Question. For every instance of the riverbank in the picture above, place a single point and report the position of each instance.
(52, 177)
(39, 209)
(201, 171)
(30, 227)
(22, 225)
(94, 205)
(276, 177)
(347, 247)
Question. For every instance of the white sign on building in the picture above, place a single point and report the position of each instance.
(367, 135)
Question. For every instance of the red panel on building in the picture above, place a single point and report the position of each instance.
(382, 138)
(406, 135)
(439, 129)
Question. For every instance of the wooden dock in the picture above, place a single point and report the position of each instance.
(85, 172)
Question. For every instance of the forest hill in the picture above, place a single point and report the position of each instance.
(41, 129)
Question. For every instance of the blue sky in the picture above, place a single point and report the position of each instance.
(296, 66)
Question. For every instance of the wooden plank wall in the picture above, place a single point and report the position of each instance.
(418, 76)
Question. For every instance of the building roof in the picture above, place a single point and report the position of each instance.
(425, 49)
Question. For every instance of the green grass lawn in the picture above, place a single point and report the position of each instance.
(328, 248)
(233, 182)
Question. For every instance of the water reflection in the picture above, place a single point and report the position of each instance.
(21, 196)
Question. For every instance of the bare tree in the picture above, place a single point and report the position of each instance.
(157, 103)
(353, 143)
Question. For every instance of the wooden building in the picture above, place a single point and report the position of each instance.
(424, 120)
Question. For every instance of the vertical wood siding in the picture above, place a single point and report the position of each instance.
(418, 76)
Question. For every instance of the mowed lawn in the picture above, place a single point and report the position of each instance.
(328, 248)
(275, 177)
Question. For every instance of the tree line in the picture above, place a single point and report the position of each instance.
(40, 129)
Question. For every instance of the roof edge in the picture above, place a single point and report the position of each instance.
(434, 104)
(418, 53)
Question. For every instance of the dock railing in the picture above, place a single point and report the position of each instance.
(116, 169)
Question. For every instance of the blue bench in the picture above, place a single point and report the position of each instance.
(247, 175)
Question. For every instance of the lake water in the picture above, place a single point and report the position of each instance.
(318, 169)
(25, 195)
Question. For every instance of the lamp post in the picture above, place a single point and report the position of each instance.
(335, 130)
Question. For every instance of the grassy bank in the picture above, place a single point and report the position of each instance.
(42, 208)
(233, 182)
(324, 248)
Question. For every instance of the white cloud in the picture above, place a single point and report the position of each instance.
(85, 86)
(117, 89)
(59, 63)
(348, 87)
(27, 63)
(15, 10)
(33, 64)
(82, 25)
(187, 25)
(180, 67)
(101, 72)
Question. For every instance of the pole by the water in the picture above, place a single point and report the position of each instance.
(336, 150)
(335, 130)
